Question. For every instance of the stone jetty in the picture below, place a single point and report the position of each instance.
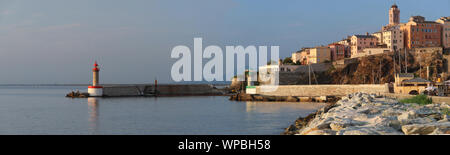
(366, 114)
(273, 98)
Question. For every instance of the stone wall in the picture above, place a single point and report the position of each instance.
(324, 90)
(121, 91)
(183, 90)
(162, 90)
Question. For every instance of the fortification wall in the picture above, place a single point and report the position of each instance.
(182, 90)
(324, 90)
(121, 91)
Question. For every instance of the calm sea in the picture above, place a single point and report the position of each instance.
(45, 110)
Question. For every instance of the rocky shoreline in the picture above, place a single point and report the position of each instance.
(366, 114)
(266, 98)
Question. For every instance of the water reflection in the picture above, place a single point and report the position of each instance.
(93, 105)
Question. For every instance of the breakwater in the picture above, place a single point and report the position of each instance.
(161, 90)
(369, 114)
(268, 98)
(324, 90)
(158, 90)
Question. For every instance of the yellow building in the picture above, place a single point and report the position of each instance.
(379, 36)
(405, 83)
(319, 54)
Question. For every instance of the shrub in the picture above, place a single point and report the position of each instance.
(419, 99)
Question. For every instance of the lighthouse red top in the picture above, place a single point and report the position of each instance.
(95, 69)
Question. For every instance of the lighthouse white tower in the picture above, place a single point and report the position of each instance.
(95, 90)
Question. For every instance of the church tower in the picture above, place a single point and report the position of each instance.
(394, 15)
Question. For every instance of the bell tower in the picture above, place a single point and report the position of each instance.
(394, 15)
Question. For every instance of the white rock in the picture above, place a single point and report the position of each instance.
(424, 129)
(364, 114)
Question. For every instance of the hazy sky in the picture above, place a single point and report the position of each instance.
(56, 41)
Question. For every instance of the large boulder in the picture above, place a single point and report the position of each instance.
(425, 129)
(365, 114)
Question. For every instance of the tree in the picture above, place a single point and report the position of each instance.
(288, 61)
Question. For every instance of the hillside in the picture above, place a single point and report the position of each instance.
(380, 68)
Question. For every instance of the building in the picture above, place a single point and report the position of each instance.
(339, 51)
(345, 42)
(296, 56)
(301, 56)
(420, 33)
(392, 37)
(371, 51)
(379, 36)
(428, 50)
(394, 15)
(360, 42)
(445, 35)
(405, 83)
(319, 55)
(95, 90)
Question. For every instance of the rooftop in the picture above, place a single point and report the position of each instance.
(365, 36)
(447, 19)
(405, 75)
(417, 80)
(394, 6)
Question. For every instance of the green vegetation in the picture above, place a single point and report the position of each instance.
(445, 111)
(287, 60)
(418, 99)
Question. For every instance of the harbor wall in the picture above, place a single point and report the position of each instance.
(118, 91)
(182, 90)
(161, 90)
(324, 90)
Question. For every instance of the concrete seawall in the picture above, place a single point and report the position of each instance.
(161, 90)
(325, 90)
(118, 91)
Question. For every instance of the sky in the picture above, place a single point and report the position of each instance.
(57, 41)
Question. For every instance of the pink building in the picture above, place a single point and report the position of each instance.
(339, 51)
(360, 42)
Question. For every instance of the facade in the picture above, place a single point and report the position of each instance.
(394, 15)
(428, 50)
(345, 42)
(392, 37)
(319, 55)
(296, 56)
(371, 51)
(445, 36)
(379, 36)
(419, 33)
(339, 51)
(301, 56)
(405, 83)
(360, 42)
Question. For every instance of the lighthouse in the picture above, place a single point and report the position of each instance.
(95, 90)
